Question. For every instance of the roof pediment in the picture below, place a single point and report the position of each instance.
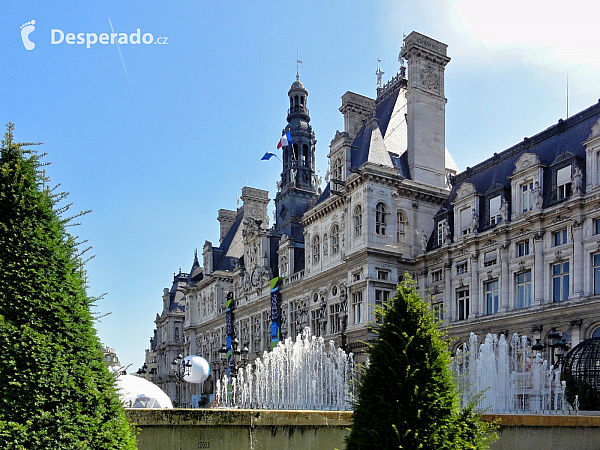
(465, 190)
(526, 161)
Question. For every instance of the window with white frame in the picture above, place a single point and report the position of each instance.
(559, 237)
(357, 220)
(523, 285)
(495, 204)
(465, 217)
(337, 169)
(462, 267)
(438, 310)
(315, 322)
(563, 183)
(316, 248)
(490, 289)
(560, 281)
(437, 275)
(335, 239)
(462, 303)
(401, 224)
(522, 248)
(383, 274)
(527, 200)
(596, 260)
(490, 258)
(334, 318)
(380, 218)
(357, 298)
(283, 265)
(441, 230)
(381, 296)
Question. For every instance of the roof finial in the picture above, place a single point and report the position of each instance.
(298, 62)
(401, 58)
(379, 73)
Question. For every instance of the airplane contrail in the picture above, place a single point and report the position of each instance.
(123, 62)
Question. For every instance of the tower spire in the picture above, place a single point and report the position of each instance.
(298, 63)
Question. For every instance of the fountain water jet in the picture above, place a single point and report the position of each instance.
(510, 375)
(300, 374)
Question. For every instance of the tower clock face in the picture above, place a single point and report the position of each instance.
(255, 278)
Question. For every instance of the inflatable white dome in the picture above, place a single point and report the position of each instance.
(199, 371)
(137, 392)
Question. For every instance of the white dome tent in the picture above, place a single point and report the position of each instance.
(136, 392)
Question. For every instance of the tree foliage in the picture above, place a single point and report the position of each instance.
(408, 397)
(55, 391)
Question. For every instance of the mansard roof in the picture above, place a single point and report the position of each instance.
(565, 136)
(222, 261)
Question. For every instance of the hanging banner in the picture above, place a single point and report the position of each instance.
(275, 311)
(229, 331)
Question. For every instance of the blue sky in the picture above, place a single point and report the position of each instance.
(156, 155)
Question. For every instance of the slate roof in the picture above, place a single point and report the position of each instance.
(566, 136)
(223, 262)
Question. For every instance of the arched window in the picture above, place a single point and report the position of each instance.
(305, 155)
(401, 224)
(335, 239)
(380, 218)
(283, 265)
(596, 333)
(325, 245)
(357, 220)
(316, 249)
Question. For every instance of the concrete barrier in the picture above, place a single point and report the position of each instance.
(228, 429)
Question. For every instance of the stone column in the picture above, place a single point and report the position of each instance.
(575, 332)
(448, 304)
(474, 290)
(538, 269)
(504, 278)
(577, 263)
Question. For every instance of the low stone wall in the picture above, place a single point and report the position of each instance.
(225, 429)
(239, 429)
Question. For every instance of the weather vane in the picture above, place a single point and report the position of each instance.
(379, 73)
(298, 62)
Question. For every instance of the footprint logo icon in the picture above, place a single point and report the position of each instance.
(26, 30)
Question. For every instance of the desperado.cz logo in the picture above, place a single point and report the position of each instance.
(89, 39)
(58, 36)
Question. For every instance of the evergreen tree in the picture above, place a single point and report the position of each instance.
(55, 391)
(408, 397)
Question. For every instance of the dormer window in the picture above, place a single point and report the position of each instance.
(563, 182)
(495, 204)
(337, 169)
(527, 200)
(441, 231)
(465, 221)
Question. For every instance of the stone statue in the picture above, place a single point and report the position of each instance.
(537, 196)
(423, 239)
(504, 209)
(474, 222)
(447, 237)
(577, 179)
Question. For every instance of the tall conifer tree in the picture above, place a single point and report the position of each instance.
(55, 391)
(408, 397)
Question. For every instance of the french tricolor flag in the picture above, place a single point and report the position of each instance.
(286, 139)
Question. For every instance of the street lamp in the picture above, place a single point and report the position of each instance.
(238, 359)
(142, 370)
(181, 369)
(556, 341)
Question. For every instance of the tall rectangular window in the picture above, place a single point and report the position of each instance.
(527, 196)
(560, 281)
(491, 296)
(563, 183)
(523, 248)
(438, 310)
(559, 237)
(597, 274)
(490, 258)
(357, 307)
(334, 318)
(462, 267)
(465, 221)
(315, 322)
(523, 282)
(437, 275)
(381, 297)
(495, 204)
(441, 227)
(462, 303)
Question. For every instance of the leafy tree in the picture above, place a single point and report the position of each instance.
(408, 397)
(55, 391)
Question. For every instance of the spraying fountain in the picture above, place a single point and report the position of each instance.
(305, 374)
(511, 377)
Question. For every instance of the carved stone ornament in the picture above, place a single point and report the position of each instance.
(465, 190)
(526, 161)
(430, 78)
(595, 131)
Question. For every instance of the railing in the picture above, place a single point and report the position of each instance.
(293, 278)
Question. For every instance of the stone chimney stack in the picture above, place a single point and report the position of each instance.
(226, 218)
(426, 110)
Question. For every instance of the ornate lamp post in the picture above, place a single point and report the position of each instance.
(180, 369)
(237, 360)
(557, 346)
